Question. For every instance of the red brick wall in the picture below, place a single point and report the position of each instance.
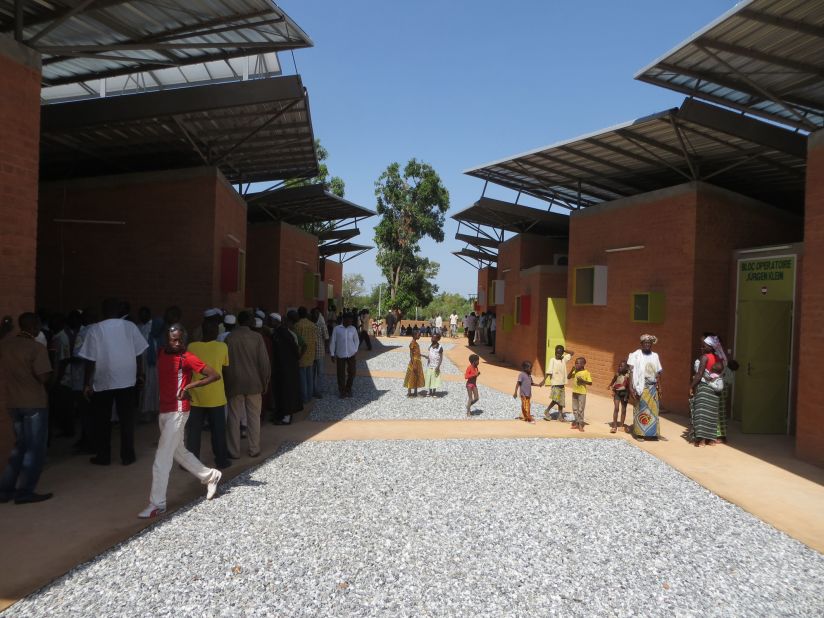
(296, 246)
(485, 278)
(688, 233)
(664, 223)
(165, 253)
(229, 231)
(262, 259)
(19, 161)
(332, 273)
(727, 221)
(809, 410)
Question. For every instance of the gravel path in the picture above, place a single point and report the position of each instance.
(385, 398)
(451, 528)
(397, 360)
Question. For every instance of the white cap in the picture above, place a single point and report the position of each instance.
(219, 310)
(258, 323)
(229, 319)
(210, 313)
(260, 314)
(276, 317)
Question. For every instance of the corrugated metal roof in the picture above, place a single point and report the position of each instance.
(213, 72)
(694, 142)
(302, 205)
(764, 57)
(258, 130)
(81, 40)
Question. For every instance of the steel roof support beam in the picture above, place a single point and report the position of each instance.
(780, 101)
(754, 54)
(783, 22)
(687, 156)
(78, 8)
(587, 170)
(640, 141)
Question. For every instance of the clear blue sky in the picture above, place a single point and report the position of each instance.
(458, 83)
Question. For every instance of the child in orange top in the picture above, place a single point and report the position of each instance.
(620, 395)
(471, 376)
(525, 383)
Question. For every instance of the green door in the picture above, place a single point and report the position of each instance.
(555, 326)
(762, 383)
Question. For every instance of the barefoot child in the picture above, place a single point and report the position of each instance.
(525, 384)
(557, 374)
(175, 369)
(471, 376)
(414, 371)
(581, 378)
(620, 395)
(432, 377)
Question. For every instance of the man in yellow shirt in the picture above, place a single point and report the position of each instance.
(209, 402)
(308, 331)
(581, 378)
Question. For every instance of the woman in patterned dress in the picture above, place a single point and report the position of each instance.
(414, 371)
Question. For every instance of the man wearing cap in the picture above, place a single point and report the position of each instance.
(247, 377)
(229, 323)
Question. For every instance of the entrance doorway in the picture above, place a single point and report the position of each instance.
(555, 326)
(763, 343)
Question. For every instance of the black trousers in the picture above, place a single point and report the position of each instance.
(364, 336)
(470, 336)
(492, 334)
(126, 400)
(346, 373)
(217, 426)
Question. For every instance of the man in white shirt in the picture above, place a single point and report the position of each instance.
(113, 352)
(438, 325)
(453, 325)
(343, 348)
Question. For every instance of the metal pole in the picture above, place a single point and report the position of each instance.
(380, 294)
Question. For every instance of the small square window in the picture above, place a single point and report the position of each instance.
(590, 285)
(648, 307)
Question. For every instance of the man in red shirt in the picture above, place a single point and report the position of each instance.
(175, 367)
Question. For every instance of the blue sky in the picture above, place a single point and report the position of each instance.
(459, 83)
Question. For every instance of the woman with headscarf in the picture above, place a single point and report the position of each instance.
(644, 378)
(705, 402)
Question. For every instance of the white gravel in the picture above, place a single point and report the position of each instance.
(451, 528)
(385, 399)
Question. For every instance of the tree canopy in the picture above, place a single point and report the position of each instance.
(412, 203)
(334, 184)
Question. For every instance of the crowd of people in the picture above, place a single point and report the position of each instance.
(76, 375)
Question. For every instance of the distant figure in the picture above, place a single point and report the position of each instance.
(471, 375)
(524, 385)
(343, 348)
(620, 395)
(433, 365)
(581, 378)
(25, 369)
(414, 371)
(453, 325)
(438, 324)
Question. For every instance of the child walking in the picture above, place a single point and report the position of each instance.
(557, 374)
(433, 365)
(581, 378)
(414, 372)
(471, 376)
(620, 395)
(525, 384)
(175, 367)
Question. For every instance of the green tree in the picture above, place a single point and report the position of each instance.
(353, 289)
(334, 184)
(445, 303)
(412, 204)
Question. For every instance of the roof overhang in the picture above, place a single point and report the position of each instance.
(303, 205)
(762, 57)
(345, 250)
(508, 217)
(476, 257)
(81, 40)
(696, 142)
(258, 130)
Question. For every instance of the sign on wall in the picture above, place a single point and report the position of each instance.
(769, 278)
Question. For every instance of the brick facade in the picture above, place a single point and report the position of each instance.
(525, 264)
(280, 255)
(19, 161)
(485, 278)
(332, 273)
(688, 234)
(810, 412)
(157, 242)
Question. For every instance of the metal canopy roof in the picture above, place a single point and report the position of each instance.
(86, 39)
(341, 234)
(347, 250)
(302, 205)
(505, 216)
(696, 142)
(258, 130)
(764, 57)
(479, 258)
(213, 72)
